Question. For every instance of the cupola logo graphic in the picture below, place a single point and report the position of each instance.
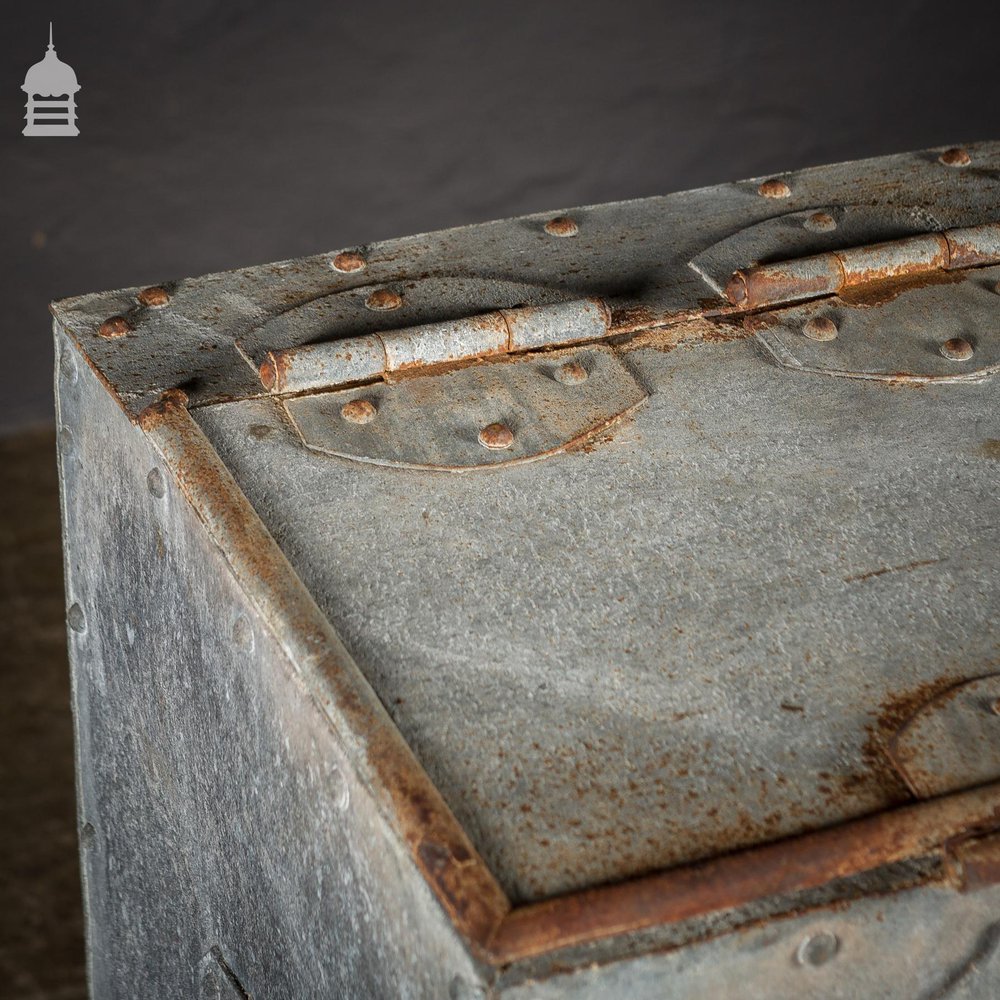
(51, 88)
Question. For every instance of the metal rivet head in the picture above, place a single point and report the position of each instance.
(358, 411)
(382, 300)
(155, 297)
(67, 365)
(774, 188)
(570, 373)
(496, 437)
(116, 326)
(155, 483)
(242, 633)
(956, 349)
(348, 261)
(955, 157)
(820, 328)
(820, 222)
(817, 949)
(562, 225)
(75, 618)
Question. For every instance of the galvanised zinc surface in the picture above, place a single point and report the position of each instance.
(689, 638)
(697, 634)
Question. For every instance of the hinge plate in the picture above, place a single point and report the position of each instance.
(434, 420)
(894, 332)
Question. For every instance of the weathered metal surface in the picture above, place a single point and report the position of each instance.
(222, 803)
(975, 862)
(684, 639)
(898, 334)
(434, 422)
(953, 741)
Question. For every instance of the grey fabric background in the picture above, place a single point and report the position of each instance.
(217, 134)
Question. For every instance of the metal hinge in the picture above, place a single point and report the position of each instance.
(382, 355)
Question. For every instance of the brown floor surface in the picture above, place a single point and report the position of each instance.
(41, 924)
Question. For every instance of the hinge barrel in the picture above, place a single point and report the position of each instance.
(829, 273)
(378, 355)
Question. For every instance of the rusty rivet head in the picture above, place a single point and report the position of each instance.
(382, 300)
(116, 326)
(957, 349)
(496, 437)
(955, 157)
(155, 297)
(348, 261)
(570, 373)
(820, 328)
(820, 222)
(775, 188)
(358, 411)
(562, 225)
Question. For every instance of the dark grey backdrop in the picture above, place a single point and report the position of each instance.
(217, 134)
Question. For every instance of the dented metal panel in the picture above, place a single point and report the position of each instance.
(694, 643)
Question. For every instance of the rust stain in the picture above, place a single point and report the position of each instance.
(877, 293)
(906, 567)
(990, 449)
(274, 371)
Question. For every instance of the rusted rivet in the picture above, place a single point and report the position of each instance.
(774, 188)
(955, 157)
(76, 619)
(570, 373)
(562, 225)
(349, 260)
(817, 949)
(957, 349)
(820, 328)
(382, 300)
(155, 297)
(116, 326)
(496, 437)
(820, 222)
(358, 411)
(155, 484)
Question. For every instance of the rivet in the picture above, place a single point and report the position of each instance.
(570, 373)
(995, 706)
(348, 261)
(817, 949)
(956, 349)
(243, 634)
(75, 618)
(820, 222)
(155, 297)
(496, 437)
(562, 225)
(955, 157)
(774, 188)
(820, 328)
(67, 365)
(341, 793)
(155, 484)
(358, 411)
(116, 326)
(382, 300)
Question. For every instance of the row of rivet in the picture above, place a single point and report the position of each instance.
(822, 328)
(495, 437)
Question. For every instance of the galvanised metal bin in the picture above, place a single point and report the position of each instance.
(600, 604)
